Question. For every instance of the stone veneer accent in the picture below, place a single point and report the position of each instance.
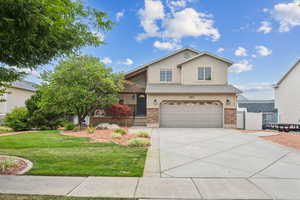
(229, 117)
(153, 117)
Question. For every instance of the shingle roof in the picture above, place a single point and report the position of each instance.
(192, 89)
(25, 85)
(257, 105)
(159, 59)
(206, 53)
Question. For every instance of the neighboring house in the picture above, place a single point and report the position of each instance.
(266, 107)
(287, 96)
(187, 88)
(17, 94)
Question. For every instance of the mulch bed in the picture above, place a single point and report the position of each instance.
(102, 136)
(19, 166)
(286, 139)
(255, 131)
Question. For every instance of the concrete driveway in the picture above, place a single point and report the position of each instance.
(223, 153)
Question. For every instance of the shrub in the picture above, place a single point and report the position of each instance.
(118, 111)
(17, 119)
(143, 134)
(116, 136)
(91, 130)
(6, 164)
(42, 116)
(4, 129)
(139, 142)
(69, 126)
(120, 131)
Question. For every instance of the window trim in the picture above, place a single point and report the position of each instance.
(204, 74)
(165, 76)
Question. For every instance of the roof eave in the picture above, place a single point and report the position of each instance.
(159, 59)
(286, 74)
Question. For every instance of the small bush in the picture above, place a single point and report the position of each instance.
(116, 136)
(139, 142)
(120, 131)
(69, 126)
(77, 128)
(17, 119)
(91, 130)
(6, 164)
(4, 129)
(143, 134)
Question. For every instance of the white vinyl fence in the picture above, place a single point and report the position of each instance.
(249, 121)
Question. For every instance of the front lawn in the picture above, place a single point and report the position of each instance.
(61, 155)
(37, 197)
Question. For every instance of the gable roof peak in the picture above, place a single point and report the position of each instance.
(142, 67)
(287, 73)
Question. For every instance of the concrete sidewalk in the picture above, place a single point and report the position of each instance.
(153, 188)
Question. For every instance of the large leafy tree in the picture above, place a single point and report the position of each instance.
(34, 32)
(79, 85)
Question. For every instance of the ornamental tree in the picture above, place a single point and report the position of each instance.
(80, 85)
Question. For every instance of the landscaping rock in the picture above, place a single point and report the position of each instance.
(107, 126)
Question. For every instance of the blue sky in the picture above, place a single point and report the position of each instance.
(260, 36)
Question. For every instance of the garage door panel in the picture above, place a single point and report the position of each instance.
(191, 115)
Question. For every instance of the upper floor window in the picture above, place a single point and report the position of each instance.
(165, 75)
(204, 73)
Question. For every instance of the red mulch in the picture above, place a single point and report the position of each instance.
(286, 139)
(102, 136)
(255, 131)
(16, 168)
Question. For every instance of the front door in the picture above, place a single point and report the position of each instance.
(141, 105)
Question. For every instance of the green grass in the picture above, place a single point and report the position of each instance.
(59, 155)
(37, 197)
(4, 129)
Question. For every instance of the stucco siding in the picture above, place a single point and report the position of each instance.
(169, 63)
(15, 98)
(219, 71)
(287, 98)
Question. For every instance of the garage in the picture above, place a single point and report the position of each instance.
(191, 115)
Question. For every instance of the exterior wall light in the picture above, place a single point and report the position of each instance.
(228, 102)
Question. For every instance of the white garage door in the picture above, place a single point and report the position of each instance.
(191, 115)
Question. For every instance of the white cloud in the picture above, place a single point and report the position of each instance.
(220, 50)
(177, 4)
(175, 25)
(287, 14)
(265, 10)
(241, 66)
(119, 15)
(166, 45)
(188, 22)
(127, 61)
(265, 27)
(258, 91)
(241, 51)
(263, 51)
(106, 60)
(153, 11)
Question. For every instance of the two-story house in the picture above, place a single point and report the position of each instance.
(187, 88)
